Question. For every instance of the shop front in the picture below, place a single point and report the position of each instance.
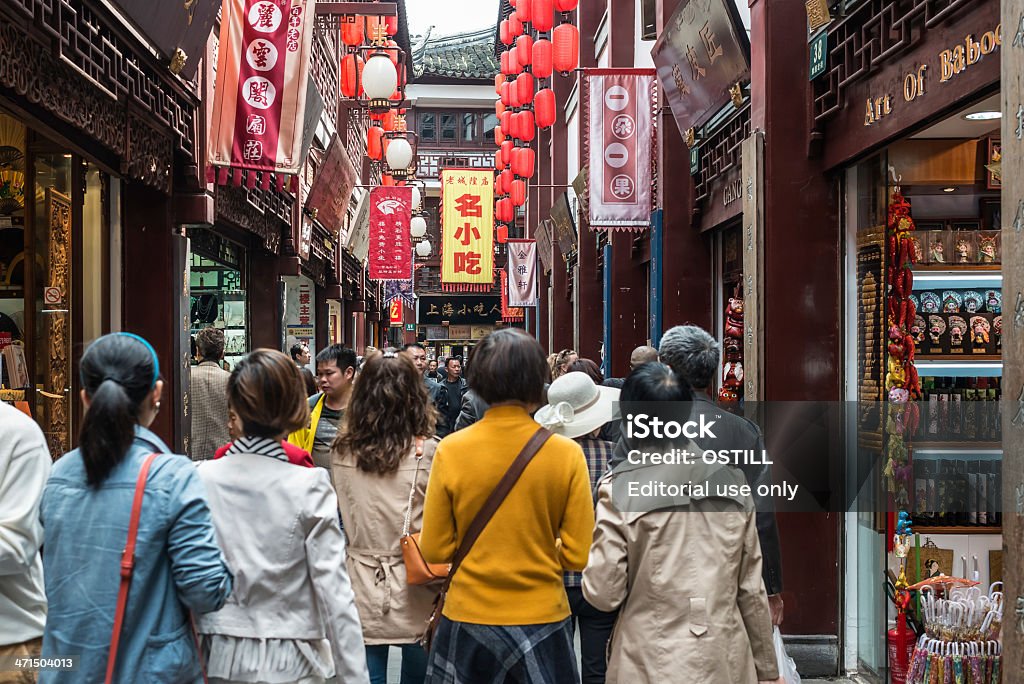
(450, 325)
(914, 143)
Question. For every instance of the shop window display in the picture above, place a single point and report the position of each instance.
(219, 300)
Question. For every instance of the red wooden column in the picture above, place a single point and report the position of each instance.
(802, 290)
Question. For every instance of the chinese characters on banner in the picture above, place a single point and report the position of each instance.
(701, 56)
(621, 129)
(467, 226)
(522, 273)
(508, 314)
(390, 244)
(260, 96)
(395, 313)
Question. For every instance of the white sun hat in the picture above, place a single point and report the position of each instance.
(576, 406)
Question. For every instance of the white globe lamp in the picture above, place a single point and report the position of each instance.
(399, 154)
(423, 249)
(380, 79)
(418, 227)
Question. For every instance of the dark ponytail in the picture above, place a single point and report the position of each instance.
(117, 372)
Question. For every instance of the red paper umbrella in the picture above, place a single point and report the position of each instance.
(375, 143)
(352, 32)
(351, 70)
(504, 33)
(566, 5)
(524, 88)
(543, 17)
(542, 65)
(565, 41)
(544, 106)
(524, 49)
(515, 25)
(518, 192)
(499, 135)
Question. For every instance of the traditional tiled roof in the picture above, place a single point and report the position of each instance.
(466, 56)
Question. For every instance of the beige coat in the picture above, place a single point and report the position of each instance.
(372, 511)
(688, 582)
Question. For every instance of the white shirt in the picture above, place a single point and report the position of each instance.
(24, 467)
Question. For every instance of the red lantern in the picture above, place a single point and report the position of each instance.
(499, 184)
(513, 96)
(544, 106)
(387, 181)
(507, 178)
(503, 62)
(543, 17)
(524, 88)
(351, 70)
(499, 108)
(502, 233)
(566, 5)
(565, 41)
(524, 49)
(506, 151)
(504, 34)
(522, 161)
(506, 93)
(393, 50)
(499, 163)
(376, 28)
(518, 192)
(541, 58)
(391, 24)
(375, 143)
(352, 32)
(499, 135)
(503, 209)
(498, 80)
(506, 123)
(526, 127)
(514, 67)
(523, 11)
(515, 25)
(389, 121)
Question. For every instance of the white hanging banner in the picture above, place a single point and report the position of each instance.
(620, 130)
(522, 273)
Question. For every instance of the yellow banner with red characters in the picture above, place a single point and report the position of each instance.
(467, 226)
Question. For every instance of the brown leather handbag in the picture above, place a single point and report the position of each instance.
(417, 570)
(490, 507)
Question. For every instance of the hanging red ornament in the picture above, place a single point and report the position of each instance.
(393, 51)
(523, 162)
(566, 5)
(526, 127)
(515, 25)
(507, 178)
(505, 91)
(523, 11)
(389, 121)
(375, 143)
(351, 71)
(524, 88)
(387, 181)
(513, 96)
(352, 31)
(501, 233)
(504, 33)
(524, 49)
(541, 58)
(503, 209)
(506, 123)
(514, 67)
(499, 184)
(518, 192)
(376, 29)
(498, 80)
(499, 108)
(499, 135)
(499, 163)
(391, 24)
(544, 107)
(565, 41)
(503, 63)
(506, 151)
(543, 17)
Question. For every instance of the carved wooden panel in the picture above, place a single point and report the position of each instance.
(57, 383)
(720, 151)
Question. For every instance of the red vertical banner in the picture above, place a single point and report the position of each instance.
(260, 95)
(395, 313)
(621, 130)
(390, 244)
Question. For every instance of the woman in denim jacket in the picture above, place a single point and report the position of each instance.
(85, 512)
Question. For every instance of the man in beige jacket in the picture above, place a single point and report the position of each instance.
(209, 396)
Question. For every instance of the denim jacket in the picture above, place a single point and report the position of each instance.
(178, 567)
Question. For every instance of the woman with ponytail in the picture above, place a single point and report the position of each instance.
(85, 512)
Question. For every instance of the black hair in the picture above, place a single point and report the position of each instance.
(344, 357)
(655, 382)
(417, 345)
(296, 349)
(450, 359)
(117, 373)
(509, 365)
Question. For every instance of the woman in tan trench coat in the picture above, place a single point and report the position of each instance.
(386, 446)
(685, 571)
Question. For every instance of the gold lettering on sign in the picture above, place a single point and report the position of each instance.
(956, 59)
(913, 84)
(876, 109)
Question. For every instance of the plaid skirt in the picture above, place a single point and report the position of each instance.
(465, 653)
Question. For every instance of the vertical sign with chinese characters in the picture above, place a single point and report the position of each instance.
(390, 244)
(260, 96)
(522, 273)
(467, 226)
(395, 313)
(702, 53)
(752, 155)
(621, 129)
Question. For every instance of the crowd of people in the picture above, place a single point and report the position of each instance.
(392, 504)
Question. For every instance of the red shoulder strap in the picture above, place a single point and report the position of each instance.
(127, 566)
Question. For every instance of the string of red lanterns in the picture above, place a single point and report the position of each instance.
(535, 49)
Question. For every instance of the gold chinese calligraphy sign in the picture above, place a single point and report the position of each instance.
(467, 226)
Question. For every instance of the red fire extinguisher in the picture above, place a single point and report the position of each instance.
(899, 667)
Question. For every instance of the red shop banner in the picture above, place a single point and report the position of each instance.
(390, 244)
(621, 129)
(260, 96)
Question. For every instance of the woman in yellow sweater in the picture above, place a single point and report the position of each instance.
(506, 617)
